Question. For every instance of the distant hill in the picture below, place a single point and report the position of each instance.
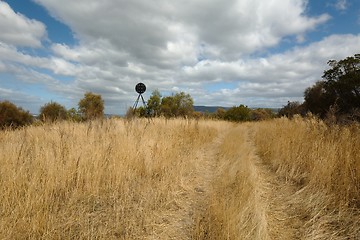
(212, 109)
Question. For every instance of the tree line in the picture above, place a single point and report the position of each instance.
(90, 107)
(336, 97)
(181, 105)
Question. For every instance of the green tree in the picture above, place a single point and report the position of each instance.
(168, 107)
(91, 106)
(238, 114)
(154, 104)
(317, 100)
(53, 112)
(339, 89)
(343, 82)
(73, 115)
(13, 116)
(178, 105)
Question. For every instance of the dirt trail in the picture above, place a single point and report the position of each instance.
(284, 210)
(186, 220)
(228, 172)
(285, 213)
(273, 203)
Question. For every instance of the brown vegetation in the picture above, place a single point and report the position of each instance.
(180, 179)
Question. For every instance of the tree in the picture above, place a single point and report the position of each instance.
(53, 112)
(291, 109)
(343, 83)
(317, 100)
(339, 89)
(91, 106)
(238, 114)
(13, 116)
(178, 105)
(154, 104)
(73, 115)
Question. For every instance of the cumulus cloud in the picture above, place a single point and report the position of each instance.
(18, 30)
(165, 34)
(279, 76)
(180, 46)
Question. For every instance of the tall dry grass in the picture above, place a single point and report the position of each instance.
(113, 179)
(236, 208)
(180, 179)
(310, 152)
(323, 162)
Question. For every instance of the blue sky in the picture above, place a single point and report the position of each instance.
(253, 52)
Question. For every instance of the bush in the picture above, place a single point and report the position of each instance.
(52, 112)
(261, 114)
(13, 116)
(91, 106)
(73, 115)
(238, 114)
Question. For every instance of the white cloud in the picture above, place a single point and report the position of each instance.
(182, 46)
(18, 30)
(341, 5)
(20, 98)
(280, 76)
(148, 32)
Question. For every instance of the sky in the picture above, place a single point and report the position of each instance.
(260, 53)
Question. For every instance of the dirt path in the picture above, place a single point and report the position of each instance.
(269, 207)
(231, 194)
(285, 212)
(185, 222)
(286, 216)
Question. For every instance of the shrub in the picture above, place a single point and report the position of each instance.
(91, 106)
(13, 116)
(238, 114)
(52, 112)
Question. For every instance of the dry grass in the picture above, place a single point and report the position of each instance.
(236, 208)
(180, 179)
(109, 180)
(322, 166)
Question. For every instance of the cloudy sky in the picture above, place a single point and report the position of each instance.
(261, 53)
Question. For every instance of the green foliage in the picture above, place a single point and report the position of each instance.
(141, 112)
(238, 114)
(339, 89)
(154, 104)
(178, 105)
(52, 112)
(91, 106)
(73, 115)
(13, 116)
(317, 100)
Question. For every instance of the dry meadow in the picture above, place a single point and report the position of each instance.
(180, 179)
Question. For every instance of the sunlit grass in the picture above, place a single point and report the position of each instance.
(180, 179)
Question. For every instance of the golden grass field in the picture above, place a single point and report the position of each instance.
(180, 179)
